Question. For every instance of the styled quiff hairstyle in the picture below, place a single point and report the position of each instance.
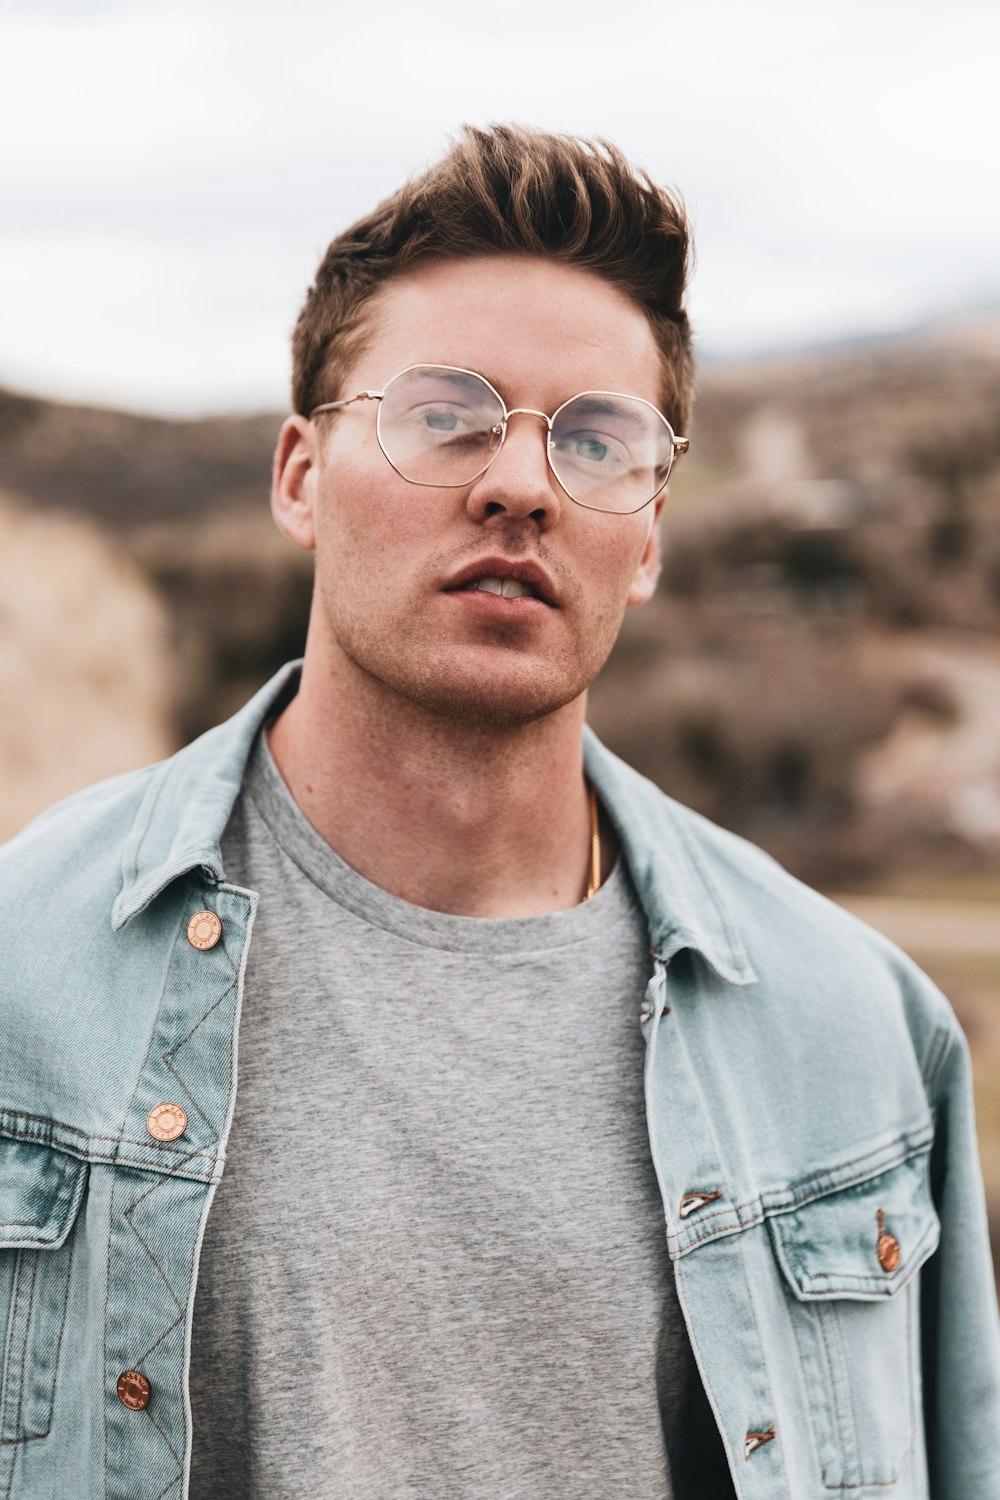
(501, 191)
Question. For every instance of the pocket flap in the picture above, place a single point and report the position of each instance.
(40, 1193)
(863, 1241)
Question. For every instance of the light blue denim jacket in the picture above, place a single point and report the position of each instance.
(809, 1110)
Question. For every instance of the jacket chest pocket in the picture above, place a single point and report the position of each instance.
(850, 1261)
(40, 1194)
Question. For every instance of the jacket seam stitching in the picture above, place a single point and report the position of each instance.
(148, 825)
(173, 1051)
(56, 1127)
(152, 1030)
(769, 1213)
(820, 1192)
(937, 1053)
(848, 1276)
(9, 1347)
(867, 1484)
(741, 1248)
(180, 1466)
(166, 1332)
(811, 1422)
(26, 1342)
(829, 1324)
(734, 957)
(62, 1323)
(10, 1351)
(161, 1167)
(162, 1273)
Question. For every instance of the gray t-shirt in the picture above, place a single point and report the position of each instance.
(435, 1267)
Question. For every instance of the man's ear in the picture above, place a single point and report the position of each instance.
(648, 570)
(293, 481)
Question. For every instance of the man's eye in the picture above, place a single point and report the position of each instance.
(592, 449)
(441, 421)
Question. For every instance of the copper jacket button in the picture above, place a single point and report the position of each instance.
(204, 930)
(888, 1252)
(134, 1390)
(165, 1122)
(887, 1246)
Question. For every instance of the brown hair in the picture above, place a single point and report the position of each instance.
(508, 190)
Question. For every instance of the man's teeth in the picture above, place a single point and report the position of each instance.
(507, 588)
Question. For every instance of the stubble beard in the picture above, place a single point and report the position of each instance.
(516, 692)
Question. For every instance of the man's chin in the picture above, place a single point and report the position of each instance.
(482, 689)
(491, 701)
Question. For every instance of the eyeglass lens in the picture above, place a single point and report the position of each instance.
(439, 426)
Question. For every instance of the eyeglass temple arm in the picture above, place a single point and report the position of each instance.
(333, 405)
(681, 445)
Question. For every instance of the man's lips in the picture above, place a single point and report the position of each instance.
(500, 588)
(505, 580)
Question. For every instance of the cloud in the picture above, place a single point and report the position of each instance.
(179, 169)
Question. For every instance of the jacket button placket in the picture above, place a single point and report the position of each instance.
(170, 1156)
(710, 1269)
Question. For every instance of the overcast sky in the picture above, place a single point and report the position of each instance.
(170, 173)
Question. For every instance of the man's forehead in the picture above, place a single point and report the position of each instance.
(481, 279)
(502, 314)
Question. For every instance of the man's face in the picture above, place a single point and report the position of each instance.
(390, 555)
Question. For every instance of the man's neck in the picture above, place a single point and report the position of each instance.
(466, 819)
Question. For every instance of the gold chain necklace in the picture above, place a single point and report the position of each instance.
(595, 848)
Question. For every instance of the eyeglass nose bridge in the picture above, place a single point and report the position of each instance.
(527, 411)
(500, 428)
(501, 431)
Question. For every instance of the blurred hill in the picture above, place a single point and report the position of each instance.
(820, 669)
(86, 681)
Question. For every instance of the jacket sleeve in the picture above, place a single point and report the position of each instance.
(960, 1330)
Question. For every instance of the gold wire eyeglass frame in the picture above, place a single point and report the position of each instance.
(679, 445)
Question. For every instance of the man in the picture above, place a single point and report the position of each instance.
(578, 1150)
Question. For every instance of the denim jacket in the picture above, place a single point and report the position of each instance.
(810, 1120)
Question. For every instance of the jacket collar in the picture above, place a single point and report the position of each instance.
(187, 803)
(666, 849)
(188, 800)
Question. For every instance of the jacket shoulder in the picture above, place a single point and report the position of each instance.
(72, 849)
(785, 920)
(798, 943)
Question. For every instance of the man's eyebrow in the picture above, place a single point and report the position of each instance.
(493, 381)
(458, 374)
(603, 406)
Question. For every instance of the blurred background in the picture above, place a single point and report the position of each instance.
(821, 667)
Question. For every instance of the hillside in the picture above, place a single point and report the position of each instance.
(86, 675)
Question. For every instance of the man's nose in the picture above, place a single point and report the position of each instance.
(519, 482)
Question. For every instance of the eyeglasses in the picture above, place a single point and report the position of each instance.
(442, 427)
